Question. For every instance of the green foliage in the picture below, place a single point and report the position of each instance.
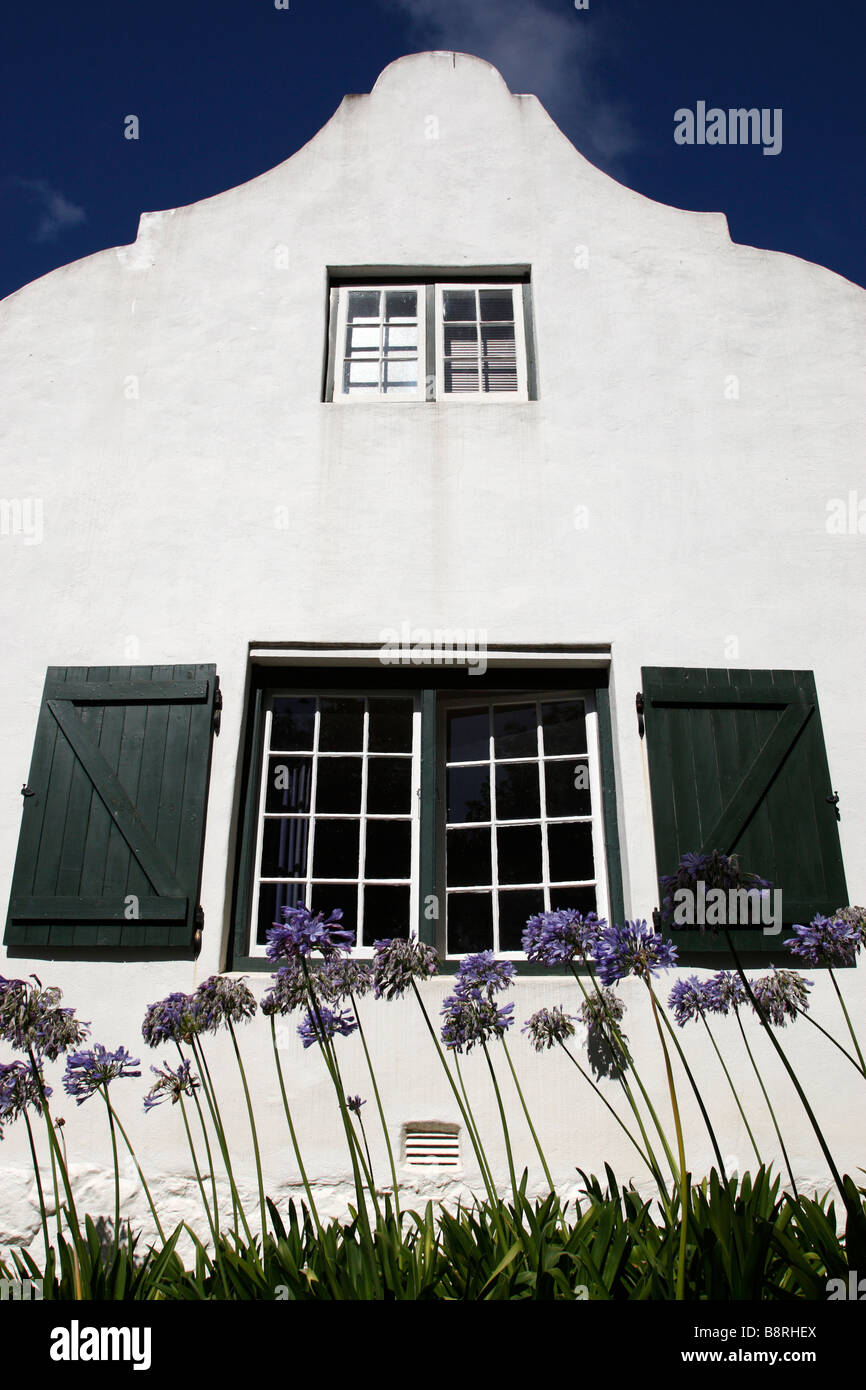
(745, 1242)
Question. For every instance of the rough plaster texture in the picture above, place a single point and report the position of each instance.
(165, 401)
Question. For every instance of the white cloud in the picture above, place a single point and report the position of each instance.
(556, 54)
(55, 212)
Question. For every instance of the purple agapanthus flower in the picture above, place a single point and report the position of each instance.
(219, 1000)
(87, 1071)
(354, 1104)
(471, 1019)
(825, 941)
(19, 1090)
(338, 978)
(170, 1020)
(689, 999)
(725, 991)
(171, 1082)
(558, 938)
(332, 1022)
(288, 991)
(853, 917)
(547, 1027)
(31, 1019)
(782, 995)
(303, 932)
(483, 972)
(716, 870)
(601, 1011)
(398, 962)
(633, 949)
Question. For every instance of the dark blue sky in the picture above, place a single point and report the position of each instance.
(225, 89)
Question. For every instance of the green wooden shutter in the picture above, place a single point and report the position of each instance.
(112, 831)
(737, 763)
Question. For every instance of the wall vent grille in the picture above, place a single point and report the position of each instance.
(431, 1148)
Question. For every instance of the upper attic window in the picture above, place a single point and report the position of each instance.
(431, 340)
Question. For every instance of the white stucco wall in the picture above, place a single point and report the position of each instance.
(164, 402)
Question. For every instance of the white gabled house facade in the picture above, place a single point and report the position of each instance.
(506, 522)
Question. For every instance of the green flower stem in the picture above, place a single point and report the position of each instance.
(855, 1213)
(71, 1214)
(681, 1149)
(486, 1172)
(528, 1116)
(294, 1137)
(847, 1019)
(733, 1088)
(42, 1212)
(210, 1162)
(651, 1163)
(104, 1091)
(509, 1155)
(256, 1151)
(378, 1107)
(213, 1106)
(834, 1041)
(125, 1137)
(57, 1212)
(769, 1102)
(617, 1044)
(197, 1170)
(470, 1130)
(694, 1086)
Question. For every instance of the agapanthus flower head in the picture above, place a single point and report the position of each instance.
(326, 1023)
(31, 1018)
(220, 1000)
(302, 932)
(563, 936)
(689, 999)
(483, 972)
(548, 1026)
(601, 1010)
(724, 991)
(338, 978)
(170, 1020)
(853, 917)
(19, 1091)
(171, 1082)
(472, 1019)
(354, 1104)
(288, 991)
(633, 949)
(87, 1071)
(782, 995)
(398, 962)
(825, 941)
(716, 870)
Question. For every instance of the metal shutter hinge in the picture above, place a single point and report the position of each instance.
(639, 706)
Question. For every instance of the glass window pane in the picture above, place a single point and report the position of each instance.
(359, 372)
(515, 909)
(326, 897)
(514, 732)
(498, 343)
(338, 785)
(470, 922)
(496, 304)
(391, 726)
(517, 793)
(570, 850)
(581, 899)
(293, 723)
(388, 849)
(468, 735)
(401, 304)
(401, 338)
(564, 726)
(342, 725)
(498, 378)
(460, 378)
(567, 788)
(467, 857)
(362, 339)
(461, 344)
(284, 848)
(273, 897)
(335, 849)
(363, 305)
(386, 913)
(400, 375)
(458, 304)
(389, 786)
(519, 850)
(289, 784)
(468, 793)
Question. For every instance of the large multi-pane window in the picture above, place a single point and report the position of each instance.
(510, 783)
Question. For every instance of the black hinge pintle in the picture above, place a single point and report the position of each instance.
(639, 706)
(217, 709)
(834, 802)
